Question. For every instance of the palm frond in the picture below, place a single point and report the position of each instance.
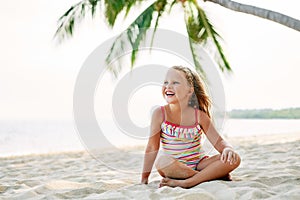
(160, 8)
(130, 3)
(193, 30)
(93, 4)
(73, 16)
(133, 35)
(201, 31)
(114, 8)
(196, 58)
(115, 55)
(172, 4)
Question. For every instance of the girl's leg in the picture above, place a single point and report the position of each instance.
(172, 168)
(205, 162)
(212, 168)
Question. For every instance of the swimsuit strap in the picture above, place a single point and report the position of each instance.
(163, 112)
(196, 116)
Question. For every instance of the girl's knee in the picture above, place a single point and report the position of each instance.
(238, 161)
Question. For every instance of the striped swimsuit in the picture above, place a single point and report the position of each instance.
(182, 142)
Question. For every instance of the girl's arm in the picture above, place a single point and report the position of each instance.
(153, 144)
(223, 147)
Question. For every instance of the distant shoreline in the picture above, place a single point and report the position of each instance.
(287, 113)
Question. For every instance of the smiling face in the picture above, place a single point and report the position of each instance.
(176, 88)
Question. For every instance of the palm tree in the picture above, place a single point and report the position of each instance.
(198, 26)
(260, 12)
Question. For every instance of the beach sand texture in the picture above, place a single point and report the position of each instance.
(270, 169)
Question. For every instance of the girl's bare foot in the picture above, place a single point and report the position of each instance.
(226, 178)
(180, 183)
(171, 182)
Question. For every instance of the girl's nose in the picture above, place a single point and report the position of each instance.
(168, 85)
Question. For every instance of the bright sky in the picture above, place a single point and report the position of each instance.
(37, 76)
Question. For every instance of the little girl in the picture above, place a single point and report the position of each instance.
(178, 126)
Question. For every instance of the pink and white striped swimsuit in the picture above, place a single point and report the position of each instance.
(182, 142)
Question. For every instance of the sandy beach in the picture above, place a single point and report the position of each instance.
(270, 169)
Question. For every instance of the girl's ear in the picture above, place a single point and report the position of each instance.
(191, 91)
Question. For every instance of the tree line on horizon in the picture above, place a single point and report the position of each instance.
(287, 113)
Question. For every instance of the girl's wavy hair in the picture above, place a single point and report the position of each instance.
(200, 98)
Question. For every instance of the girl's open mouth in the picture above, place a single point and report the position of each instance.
(170, 94)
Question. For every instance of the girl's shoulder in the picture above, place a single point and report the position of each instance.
(157, 114)
(202, 117)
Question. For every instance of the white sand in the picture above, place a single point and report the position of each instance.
(270, 169)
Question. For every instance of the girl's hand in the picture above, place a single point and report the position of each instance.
(229, 155)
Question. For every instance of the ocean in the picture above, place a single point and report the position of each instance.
(38, 137)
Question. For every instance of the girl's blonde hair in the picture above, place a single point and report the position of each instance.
(199, 98)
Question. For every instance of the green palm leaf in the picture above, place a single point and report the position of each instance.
(201, 31)
(172, 4)
(199, 28)
(73, 16)
(134, 35)
(160, 8)
(193, 31)
(114, 8)
(78, 11)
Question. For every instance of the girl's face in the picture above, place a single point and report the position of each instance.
(176, 88)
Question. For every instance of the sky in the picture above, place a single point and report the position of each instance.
(37, 75)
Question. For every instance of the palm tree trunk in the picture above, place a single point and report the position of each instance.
(260, 12)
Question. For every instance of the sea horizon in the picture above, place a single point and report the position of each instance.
(25, 137)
